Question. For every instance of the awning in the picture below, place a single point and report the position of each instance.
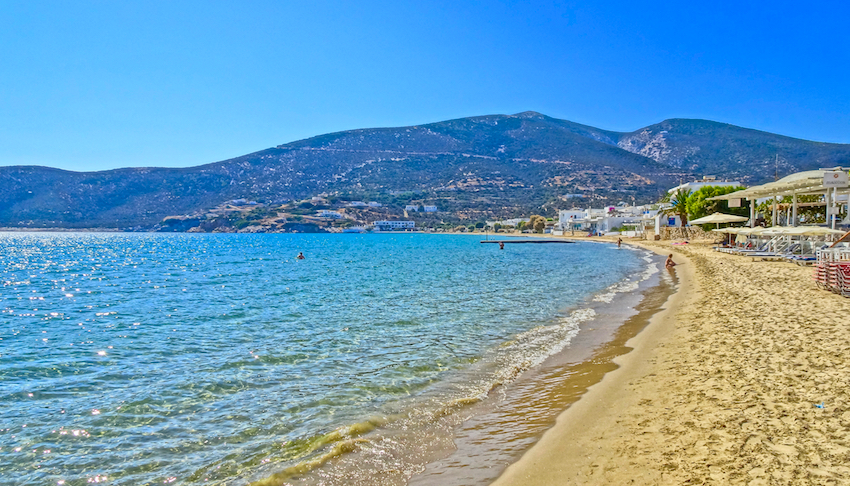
(808, 182)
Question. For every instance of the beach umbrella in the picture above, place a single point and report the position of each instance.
(718, 218)
(780, 230)
(817, 231)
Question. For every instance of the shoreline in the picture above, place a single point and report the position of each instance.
(563, 448)
(741, 378)
(481, 446)
(492, 438)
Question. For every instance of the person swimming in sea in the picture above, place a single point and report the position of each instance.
(300, 256)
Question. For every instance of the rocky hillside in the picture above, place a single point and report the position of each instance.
(707, 147)
(472, 168)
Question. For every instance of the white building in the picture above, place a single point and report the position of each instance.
(508, 222)
(325, 213)
(355, 204)
(429, 209)
(411, 207)
(374, 204)
(393, 225)
(632, 219)
(706, 181)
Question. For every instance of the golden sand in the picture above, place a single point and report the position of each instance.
(723, 387)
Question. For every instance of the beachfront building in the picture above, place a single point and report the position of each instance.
(632, 220)
(513, 222)
(661, 220)
(581, 220)
(707, 181)
(394, 225)
(832, 185)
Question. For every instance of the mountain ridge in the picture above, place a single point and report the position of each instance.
(499, 165)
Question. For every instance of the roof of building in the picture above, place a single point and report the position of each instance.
(807, 182)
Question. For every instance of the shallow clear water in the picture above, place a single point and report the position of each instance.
(205, 359)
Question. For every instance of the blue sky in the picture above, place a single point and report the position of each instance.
(94, 85)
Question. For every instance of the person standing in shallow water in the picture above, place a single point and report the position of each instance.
(619, 242)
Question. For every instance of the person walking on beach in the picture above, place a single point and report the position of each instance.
(670, 263)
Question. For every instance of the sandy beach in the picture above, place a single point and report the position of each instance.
(742, 378)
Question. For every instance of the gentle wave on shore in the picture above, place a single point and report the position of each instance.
(221, 358)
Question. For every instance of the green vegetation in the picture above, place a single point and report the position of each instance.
(689, 205)
(537, 223)
(678, 206)
(699, 205)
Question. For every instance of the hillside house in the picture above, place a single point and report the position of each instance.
(326, 213)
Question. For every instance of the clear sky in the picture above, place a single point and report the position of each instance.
(94, 85)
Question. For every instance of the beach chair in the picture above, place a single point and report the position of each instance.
(802, 260)
(832, 270)
(761, 249)
(783, 251)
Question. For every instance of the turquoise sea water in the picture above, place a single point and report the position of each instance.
(220, 359)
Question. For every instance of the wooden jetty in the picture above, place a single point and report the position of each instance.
(527, 241)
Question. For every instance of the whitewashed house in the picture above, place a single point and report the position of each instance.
(326, 213)
(394, 225)
(631, 219)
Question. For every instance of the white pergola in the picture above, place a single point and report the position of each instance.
(802, 183)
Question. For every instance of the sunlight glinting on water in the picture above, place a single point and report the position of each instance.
(204, 359)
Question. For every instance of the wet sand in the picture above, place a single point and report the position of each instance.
(724, 386)
(499, 430)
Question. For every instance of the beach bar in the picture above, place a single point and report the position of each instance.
(832, 184)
